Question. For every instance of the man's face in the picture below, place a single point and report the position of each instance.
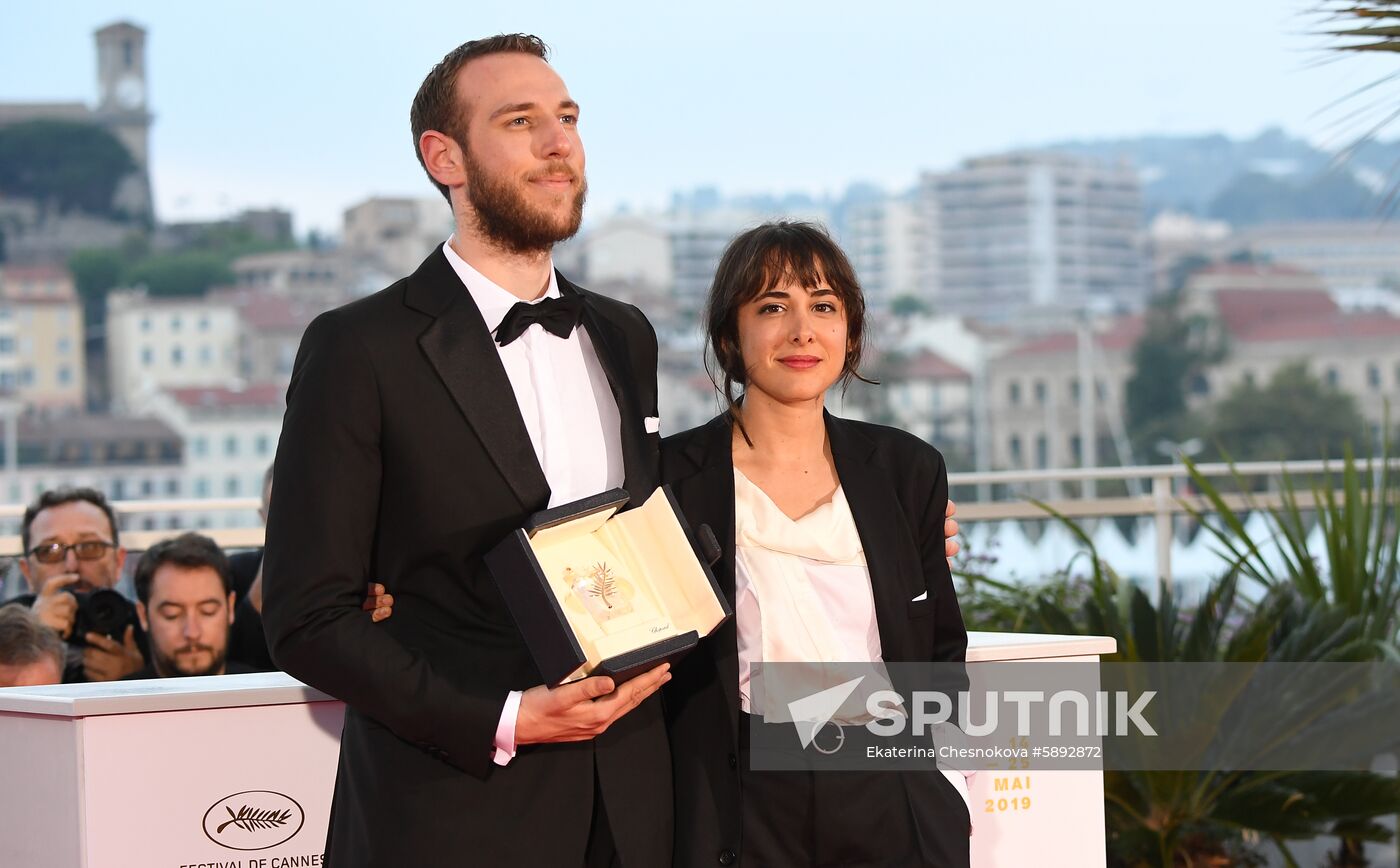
(187, 621)
(69, 523)
(524, 159)
(45, 670)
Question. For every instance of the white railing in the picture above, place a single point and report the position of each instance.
(1158, 500)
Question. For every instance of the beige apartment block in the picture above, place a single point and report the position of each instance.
(164, 343)
(1034, 392)
(41, 338)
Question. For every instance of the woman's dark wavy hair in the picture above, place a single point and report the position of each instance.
(757, 260)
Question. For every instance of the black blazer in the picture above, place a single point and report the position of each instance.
(403, 459)
(897, 488)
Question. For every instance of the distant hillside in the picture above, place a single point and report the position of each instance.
(1272, 176)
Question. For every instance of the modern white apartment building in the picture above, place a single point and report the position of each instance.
(1036, 237)
(891, 246)
(230, 438)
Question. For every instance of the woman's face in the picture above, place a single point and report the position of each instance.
(793, 341)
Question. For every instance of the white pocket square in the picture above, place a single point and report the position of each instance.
(923, 596)
(652, 424)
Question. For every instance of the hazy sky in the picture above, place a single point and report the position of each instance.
(304, 103)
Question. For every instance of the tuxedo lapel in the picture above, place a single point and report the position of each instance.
(875, 508)
(459, 347)
(610, 343)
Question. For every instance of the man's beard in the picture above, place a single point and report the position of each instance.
(509, 221)
(167, 666)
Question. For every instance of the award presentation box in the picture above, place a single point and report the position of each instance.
(596, 591)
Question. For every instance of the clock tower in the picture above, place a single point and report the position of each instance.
(121, 105)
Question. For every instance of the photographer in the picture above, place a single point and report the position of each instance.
(71, 561)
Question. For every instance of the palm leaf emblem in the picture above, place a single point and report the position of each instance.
(251, 819)
(604, 584)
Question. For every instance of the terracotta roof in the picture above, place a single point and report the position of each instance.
(1242, 310)
(34, 272)
(256, 395)
(928, 365)
(1122, 334)
(1338, 326)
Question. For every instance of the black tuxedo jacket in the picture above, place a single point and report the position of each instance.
(403, 458)
(897, 488)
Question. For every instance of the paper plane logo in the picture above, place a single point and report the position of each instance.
(811, 713)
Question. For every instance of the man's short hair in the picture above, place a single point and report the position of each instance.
(25, 640)
(436, 107)
(188, 550)
(60, 496)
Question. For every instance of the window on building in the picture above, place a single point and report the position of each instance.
(1249, 379)
(206, 355)
(65, 375)
(231, 486)
(177, 356)
(148, 523)
(172, 487)
(175, 323)
(1040, 392)
(1074, 389)
(65, 345)
(1075, 449)
(7, 345)
(145, 324)
(200, 447)
(118, 489)
(1101, 390)
(147, 488)
(1013, 446)
(1014, 393)
(26, 377)
(1333, 377)
(1200, 385)
(263, 445)
(201, 486)
(204, 323)
(148, 356)
(230, 446)
(1373, 376)
(1042, 451)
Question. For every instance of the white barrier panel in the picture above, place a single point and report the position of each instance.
(237, 772)
(226, 772)
(1049, 819)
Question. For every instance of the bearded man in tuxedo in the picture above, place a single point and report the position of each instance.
(423, 424)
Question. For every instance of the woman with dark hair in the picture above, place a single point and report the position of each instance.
(832, 538)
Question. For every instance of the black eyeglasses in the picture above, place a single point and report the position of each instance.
(56, 552)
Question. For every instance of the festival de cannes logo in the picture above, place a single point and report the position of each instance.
(253, 820)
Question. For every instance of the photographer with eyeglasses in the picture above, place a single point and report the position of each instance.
(72, 560)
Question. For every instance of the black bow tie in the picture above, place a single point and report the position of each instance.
(558, 316)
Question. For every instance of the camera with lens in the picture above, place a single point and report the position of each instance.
(104, 612)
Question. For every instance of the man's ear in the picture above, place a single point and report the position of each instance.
(230, 607)
(24, 571)
(443, 158)
(142, 617)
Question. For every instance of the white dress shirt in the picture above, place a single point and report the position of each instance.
(569, 412)
(812, 573)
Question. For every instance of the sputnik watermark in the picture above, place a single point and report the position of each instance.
(930, 711)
